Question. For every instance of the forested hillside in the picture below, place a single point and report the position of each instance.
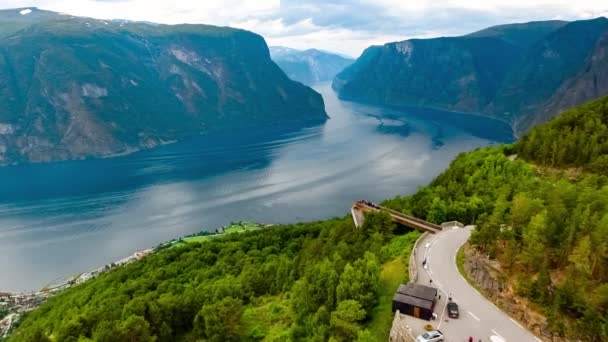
(578, 137)
(544, 219)
(312, 281)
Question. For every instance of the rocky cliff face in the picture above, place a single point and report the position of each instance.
(523, 74)
(488, 276)
(75, 87)
(309, 66)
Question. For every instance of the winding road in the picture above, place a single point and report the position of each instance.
(478, 317)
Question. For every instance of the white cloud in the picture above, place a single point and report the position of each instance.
(338, 25)
(168, 12)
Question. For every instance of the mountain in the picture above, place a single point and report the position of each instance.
(523, 74)
(309, 66)
(73, 87)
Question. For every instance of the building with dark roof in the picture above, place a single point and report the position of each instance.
(415, 300)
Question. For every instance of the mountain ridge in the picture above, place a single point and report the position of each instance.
(309, 66)
(133, 85)
(508, 72)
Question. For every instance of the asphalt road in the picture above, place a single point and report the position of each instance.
(478, 317)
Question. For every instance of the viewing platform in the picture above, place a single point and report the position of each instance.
(359, 209)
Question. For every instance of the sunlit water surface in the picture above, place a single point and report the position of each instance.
(60, 219)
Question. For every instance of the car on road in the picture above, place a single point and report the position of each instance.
(430, 336)
(453, 311)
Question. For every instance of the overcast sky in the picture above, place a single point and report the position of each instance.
(336, 25)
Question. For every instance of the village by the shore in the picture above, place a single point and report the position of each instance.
(14, 305)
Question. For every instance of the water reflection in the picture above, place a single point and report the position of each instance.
(63, 218)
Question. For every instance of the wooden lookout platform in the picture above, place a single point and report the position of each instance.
(359, 209)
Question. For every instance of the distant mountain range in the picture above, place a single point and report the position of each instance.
(523, 74)
(309, 66)
(73, 87)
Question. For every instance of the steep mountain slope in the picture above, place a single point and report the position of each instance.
(523, 74)
(588, 83)
(309, 66)
(76, 87)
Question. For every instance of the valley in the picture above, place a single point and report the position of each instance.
(123, 204)
(163, 179)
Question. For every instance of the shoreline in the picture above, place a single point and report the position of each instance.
(18, 303)
(233, 227)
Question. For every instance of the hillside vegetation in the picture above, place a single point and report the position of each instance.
(577, 138)
(311, 281)
(547, 225)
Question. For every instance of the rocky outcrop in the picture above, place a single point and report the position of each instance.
(522, 74)
(488, 276)
(73, 87)
(484, 273)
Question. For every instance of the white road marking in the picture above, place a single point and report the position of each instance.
(498, 337)
(472, 314)
(441, 317)
(429, 245)
(516, 322)
(497, 334)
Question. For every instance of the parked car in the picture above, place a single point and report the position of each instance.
(430, 336)
(453, 311)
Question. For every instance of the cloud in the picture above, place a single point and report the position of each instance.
(346, 26)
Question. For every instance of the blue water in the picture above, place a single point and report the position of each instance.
(60, 219)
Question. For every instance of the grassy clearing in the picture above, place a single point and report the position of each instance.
(241, 227)
(230, 229)
(394, 272)
(269, 319)
(197, 238)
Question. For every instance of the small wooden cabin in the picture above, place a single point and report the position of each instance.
(415, 300)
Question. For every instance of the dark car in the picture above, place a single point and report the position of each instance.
(453, 310)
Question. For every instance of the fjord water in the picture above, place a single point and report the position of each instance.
(60, 219)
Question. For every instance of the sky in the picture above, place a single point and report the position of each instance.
(347, 27)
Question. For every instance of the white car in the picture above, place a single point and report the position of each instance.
(430, 336)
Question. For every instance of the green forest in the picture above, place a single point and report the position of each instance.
(541, 212)
(575, 138)
(314, 281)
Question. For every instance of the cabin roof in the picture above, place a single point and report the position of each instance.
(418, 291)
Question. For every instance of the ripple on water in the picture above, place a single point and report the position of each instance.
(60, 219)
